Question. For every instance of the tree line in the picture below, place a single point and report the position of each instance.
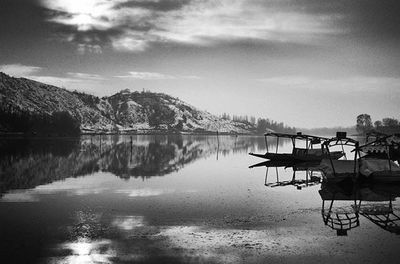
(261, 125)
(387, 125)
(59, 123)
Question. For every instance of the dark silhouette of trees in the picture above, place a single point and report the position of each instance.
(364, 123)
(378, 124)
(60, 123)
(387, 125)
(64, 123)
(263, 125)
(390, 122)
(225, 116)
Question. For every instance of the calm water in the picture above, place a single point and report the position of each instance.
(179, 199)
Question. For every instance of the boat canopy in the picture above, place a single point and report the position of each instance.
(309, 140)
(382, 144)
(374, 135)
(299, 135)
(305, 152)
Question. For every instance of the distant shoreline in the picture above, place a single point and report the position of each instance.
(152, 132)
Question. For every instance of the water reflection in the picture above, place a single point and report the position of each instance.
(86, 243)
(339, 208)
(212, 211)
(343, 204)
(28, 163)
(304, 174)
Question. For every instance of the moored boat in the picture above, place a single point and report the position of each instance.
(367, 165)
(309, 153)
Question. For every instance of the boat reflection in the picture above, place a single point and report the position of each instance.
(311, 175)
(344, 203)
(339, 207)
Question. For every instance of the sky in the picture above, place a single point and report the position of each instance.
(308, 63)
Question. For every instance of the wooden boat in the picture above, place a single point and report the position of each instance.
(309, 153)
(373, 136)
(382, 147)
(364, 166)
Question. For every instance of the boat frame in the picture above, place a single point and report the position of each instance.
(356, 175)
(342, 140)
(298, 154)
(339, 219)
(377, 208)
(384, 146)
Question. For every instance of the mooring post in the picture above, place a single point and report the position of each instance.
(131, 143)
(131, 149)
(217, 144)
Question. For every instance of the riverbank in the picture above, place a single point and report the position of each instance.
(141, 132)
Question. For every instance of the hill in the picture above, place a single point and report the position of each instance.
(28, 106)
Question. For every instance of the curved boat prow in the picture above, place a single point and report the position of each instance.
(258, 155)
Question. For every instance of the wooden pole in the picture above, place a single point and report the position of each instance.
(217, 144)
(131, 149)
(266, 177)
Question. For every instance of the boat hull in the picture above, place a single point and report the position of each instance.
(299, 165)
(296, 158)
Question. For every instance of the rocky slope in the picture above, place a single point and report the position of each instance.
(147, 110)
(124, 111)
(24, 95)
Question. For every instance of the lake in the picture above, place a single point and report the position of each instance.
(180, 199)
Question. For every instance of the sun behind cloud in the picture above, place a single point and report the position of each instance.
(133, 26)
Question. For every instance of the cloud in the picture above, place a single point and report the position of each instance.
(155, 76)
(130, 41)
(71, 79)
(53, 80)
(77, 80)
(156, 5)
(128, 223)
(206, 22)
(133, 25)
(89, 48)
(354, 84)
(84, 14)
(286, 80)
(145, 192)
(86, 76)
(32, 72)
(19, 70)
